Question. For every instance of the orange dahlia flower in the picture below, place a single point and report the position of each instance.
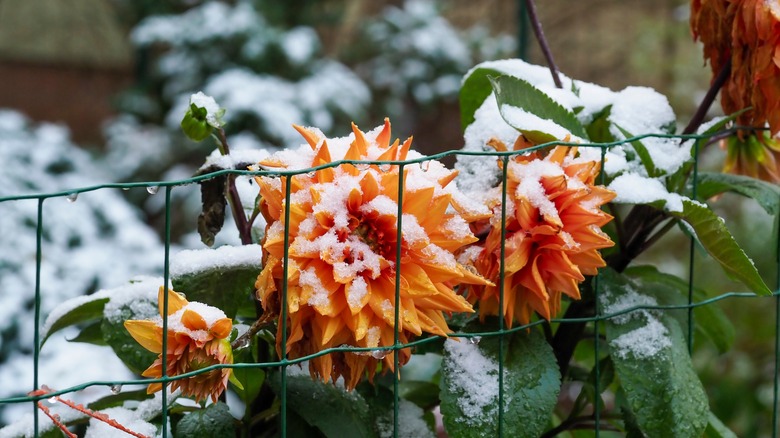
(342, 251)
(553, 234)
(748, 32)
(197, 338)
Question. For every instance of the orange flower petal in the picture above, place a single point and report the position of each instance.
(147, 333)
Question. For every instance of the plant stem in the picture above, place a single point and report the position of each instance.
(233, 198)
(706, 103)
(537, 26)
(571, 423)
(264, 321)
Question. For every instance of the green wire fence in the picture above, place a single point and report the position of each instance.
(283, 363)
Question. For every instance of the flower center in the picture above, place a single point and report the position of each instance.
(375, 237)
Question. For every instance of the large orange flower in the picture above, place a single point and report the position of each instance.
(197, 338)
(748, 32)
(342, 254)
(553, 234)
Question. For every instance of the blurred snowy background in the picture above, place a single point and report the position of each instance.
(94, 92)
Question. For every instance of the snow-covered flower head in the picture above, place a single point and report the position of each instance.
(343, 238)
(553, 233)
(197, 338)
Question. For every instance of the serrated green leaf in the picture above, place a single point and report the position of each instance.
(114, 400)
(521, 94)
(469, 386)
(214, 421)
(710, 320)
(644, 155)
(89, 311)
(720, 244)
(226, 287)
(716, 429)
(90, 334)
(653, 366)
(331, 409)
(475, 89)
(598, 129)
(767, 195)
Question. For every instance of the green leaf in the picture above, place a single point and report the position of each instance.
(88, 311)
(214, 421)
(710, 320)
(114, 400)
(91, 334)
(331, 409)
(521, 94)
(720, 244)
(420, 383)
(644, 155)
(598, 129)
(475, 89)
(469, 386)
(652, 363)
(227, 286)
(251, 378)
(767, 195)
(716, 429)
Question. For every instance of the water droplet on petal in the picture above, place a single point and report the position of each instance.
(116, 389)
(384, 167)
(72, 197)
(379, 354)
(475, 339)
(152, 189)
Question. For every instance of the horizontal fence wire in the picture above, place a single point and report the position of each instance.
(283, 363)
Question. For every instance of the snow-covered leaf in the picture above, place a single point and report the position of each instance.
(86, 309)
(533, 112)
(469, 386)
(652, 362)
(475, 89)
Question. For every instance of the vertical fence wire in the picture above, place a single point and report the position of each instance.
(284, 310)
(776, 384)
(166, 279)
(37, 319)
(692, 248)
(597, 325)
(501, 274)
(397, 316)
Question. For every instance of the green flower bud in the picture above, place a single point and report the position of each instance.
(195, 125)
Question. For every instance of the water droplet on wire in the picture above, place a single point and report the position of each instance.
(379, 354)
(152, 189)
(475, 339)
(362, 166)
(52, 399)
(116, 389)
(72, 197)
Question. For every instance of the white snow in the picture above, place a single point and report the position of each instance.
(632, 188)
(225, 257)
(475, 377)
(410, 422)
(208, 103)
(644, 342)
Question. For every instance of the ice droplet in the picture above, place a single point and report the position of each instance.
(152, 189)
(52, 399)
(116, 389)
(475, 339)
(72, 197)
(362, 166)
(384, 167)
(379, 354)
(125, 188)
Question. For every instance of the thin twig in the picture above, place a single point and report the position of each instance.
(660, 233)
(537, 26)
(572, 423)
(618, 225)
(233, 198)
(264, 321)
(706, 103)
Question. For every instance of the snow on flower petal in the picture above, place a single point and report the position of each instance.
(343, 234)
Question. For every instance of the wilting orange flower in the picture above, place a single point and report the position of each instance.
(748, 32)
(342, 250)
(197, 338)
(553, 234)
(756, 155)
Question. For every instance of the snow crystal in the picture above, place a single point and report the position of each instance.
(235, 158)
(439, 256)
(357, 291)
(200, 260)
(474, 377)
(410, 422)
(636, 189)
(208, 103)
(626, 299)
(644, 342)
(140, 296)
(530, 187)
(319, 295)
(456, 228)
(127, 418)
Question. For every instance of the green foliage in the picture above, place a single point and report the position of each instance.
(644, 155)
(521, 94)
(89, 311)
(227, 287)
(134, 356)
(475, 89)
(716, 429)
(767, 195)
(331, 409)
(531, 384)
(652, 364)
(213, 421)
(720, 244)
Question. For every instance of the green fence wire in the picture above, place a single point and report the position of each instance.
(284, 362)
